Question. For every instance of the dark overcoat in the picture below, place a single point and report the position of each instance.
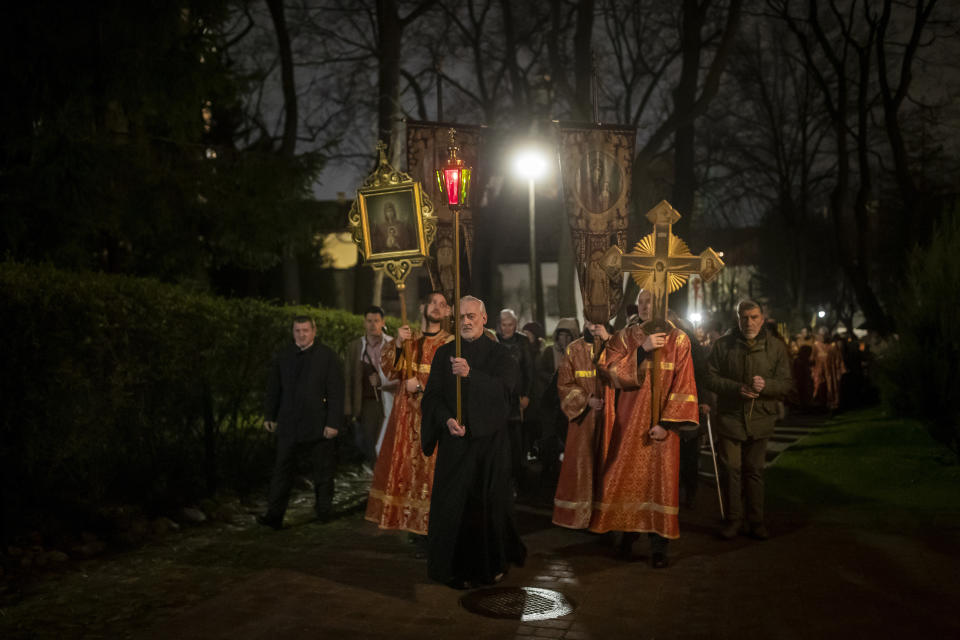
(305, 393)
(733, 362)
(472, 535)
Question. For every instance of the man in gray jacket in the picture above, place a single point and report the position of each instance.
(749, 371)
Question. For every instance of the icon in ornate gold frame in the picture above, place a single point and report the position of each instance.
(392, 222)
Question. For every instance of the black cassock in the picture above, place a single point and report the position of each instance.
(472, 535)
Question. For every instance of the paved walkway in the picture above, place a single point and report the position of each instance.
(808, 581)
(833, 578)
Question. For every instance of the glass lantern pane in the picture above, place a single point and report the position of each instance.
(452, 177)
(464, 186)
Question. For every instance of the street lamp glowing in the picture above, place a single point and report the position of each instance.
(695, 318)
(530, 164)
(821, 314)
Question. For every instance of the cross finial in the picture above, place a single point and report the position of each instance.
(661, 262)
(452, 148)
(382, 150)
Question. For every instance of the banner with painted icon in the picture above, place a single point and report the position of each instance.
(596, 163)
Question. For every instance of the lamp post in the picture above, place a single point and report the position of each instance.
(531, 164)
(453, 179)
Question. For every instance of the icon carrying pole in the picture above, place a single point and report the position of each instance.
(407, 347)
(716, 472)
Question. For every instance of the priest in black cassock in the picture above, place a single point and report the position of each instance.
(472, 536)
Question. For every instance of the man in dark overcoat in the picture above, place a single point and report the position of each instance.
(472, 537)
(749, 370)
(304, 407)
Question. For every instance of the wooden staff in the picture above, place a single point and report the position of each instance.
(456, 300)
(407, 347)
(656, 387)
(716, 471)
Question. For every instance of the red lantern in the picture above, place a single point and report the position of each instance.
(453, 179)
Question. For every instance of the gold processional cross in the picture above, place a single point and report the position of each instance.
(661, 263)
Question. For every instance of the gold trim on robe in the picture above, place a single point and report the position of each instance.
(577, 380)
(403, 477)
(638, 486)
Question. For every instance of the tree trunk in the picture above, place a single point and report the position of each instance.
(389, 37)
(583, 62)
(520, 100)
(290, 265)
(684, 97)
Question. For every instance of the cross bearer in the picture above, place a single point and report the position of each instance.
(640, 483)
(651, 368)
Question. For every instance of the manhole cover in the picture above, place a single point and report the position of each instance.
(518, 603)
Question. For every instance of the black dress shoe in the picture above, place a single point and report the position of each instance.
(461, 585)
(625, 547)
(730, 530)
(276, 525)
(659, 560)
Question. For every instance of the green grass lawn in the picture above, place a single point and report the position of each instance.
(866, 462)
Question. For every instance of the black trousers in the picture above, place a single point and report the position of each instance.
(518, 456)
(368, 429)
(320, 456)
(658, 544)
(742, 463)
(690, 465)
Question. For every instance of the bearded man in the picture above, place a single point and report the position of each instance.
(403, 476)
(472, 538)
(639, 489)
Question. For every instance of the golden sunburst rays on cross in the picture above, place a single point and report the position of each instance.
(661, 262)
(647, 248)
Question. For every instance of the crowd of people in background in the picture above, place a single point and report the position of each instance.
(611, 423)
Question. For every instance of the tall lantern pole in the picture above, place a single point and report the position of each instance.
(453, 180)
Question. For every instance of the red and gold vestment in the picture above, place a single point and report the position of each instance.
(403, 477)
(577, 380)
(639, 482)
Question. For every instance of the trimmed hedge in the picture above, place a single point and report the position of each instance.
(921, 369)
(123, 389)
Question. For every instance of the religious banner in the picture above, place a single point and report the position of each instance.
(596, 162)
(427, 151)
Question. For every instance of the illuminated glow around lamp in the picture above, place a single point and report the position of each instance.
(530, 164)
